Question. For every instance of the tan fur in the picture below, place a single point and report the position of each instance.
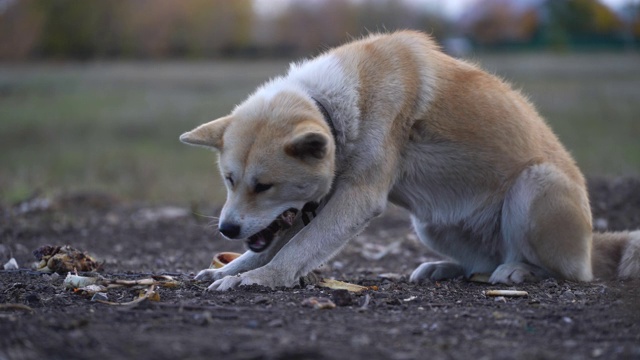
(487, 182)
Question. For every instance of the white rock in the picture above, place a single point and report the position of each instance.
(11, 265)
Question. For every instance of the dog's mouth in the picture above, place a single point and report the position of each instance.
(262, 239)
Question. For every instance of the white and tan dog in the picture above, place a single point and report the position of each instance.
(391, 118)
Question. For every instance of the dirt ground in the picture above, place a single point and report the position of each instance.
(444, 320)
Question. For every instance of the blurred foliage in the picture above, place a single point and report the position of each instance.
(123, 28)
(556, 24)
(87, 29)
(84, 29)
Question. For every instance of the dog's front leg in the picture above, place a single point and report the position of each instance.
(345, 214)
(251, 260)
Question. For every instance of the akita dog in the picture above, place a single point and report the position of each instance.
(392, 118)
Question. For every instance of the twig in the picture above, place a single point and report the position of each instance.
(16, 307)
(514, 293)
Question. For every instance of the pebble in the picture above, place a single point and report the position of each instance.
(600, 224)
(276, 323)
(32, 298)
(99, 296)
(253, 324)
(12, 264)
(568, 295)
(318, 303)
(341, 297)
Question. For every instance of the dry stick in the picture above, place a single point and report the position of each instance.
(150, 291)
(16, 307)
(515, 293)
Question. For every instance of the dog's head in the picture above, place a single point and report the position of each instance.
(276, 155)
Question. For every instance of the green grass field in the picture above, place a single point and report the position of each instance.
(114, 126)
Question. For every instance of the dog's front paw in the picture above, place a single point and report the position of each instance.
(210, 275)
(263, 276)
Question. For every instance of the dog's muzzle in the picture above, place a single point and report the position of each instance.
(259, 241)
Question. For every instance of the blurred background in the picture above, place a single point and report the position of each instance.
(94, 93)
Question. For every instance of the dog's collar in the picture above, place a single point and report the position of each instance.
(327, 118)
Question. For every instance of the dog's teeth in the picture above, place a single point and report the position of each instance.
(287, 217)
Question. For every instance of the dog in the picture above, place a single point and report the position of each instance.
(311, 157)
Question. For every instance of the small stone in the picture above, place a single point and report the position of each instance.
(276, 323)
(568, 295)
(32, 298)
(597, 352)
(341, 297)
(261, 300)
(253, 324)
(600, 224)
(318, 303)
(99, 296)
(393, 301)
(390, 276)
(12, 264)
(550, 283)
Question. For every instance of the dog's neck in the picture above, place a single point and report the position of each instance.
(327, 118)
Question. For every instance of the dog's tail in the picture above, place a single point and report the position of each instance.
(616, 255)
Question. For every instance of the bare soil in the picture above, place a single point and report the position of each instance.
(443, 320)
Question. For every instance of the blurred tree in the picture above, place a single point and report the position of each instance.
(75, 28)
(556, 23)
(307, 24)
(20, 29)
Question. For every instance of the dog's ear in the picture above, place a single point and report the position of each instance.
(308, 145)
(208, 135)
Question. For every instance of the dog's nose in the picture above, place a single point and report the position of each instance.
(229, 230)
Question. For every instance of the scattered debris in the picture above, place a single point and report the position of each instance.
(99, 296)
(76, 281)
(91, 289)
(410, 298)
(98, 286)
(22, 307)
(365, 303)
(63, 259)
(341, 297)
(318, 303)
(12, 264)
(335, 284)
(391, 276)
(149, 294)
(512, 293)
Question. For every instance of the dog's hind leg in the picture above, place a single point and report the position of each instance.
(546, 228)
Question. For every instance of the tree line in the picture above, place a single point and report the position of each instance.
(104, 29)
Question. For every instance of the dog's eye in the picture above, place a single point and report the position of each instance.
(262, 187)
(230, 180)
